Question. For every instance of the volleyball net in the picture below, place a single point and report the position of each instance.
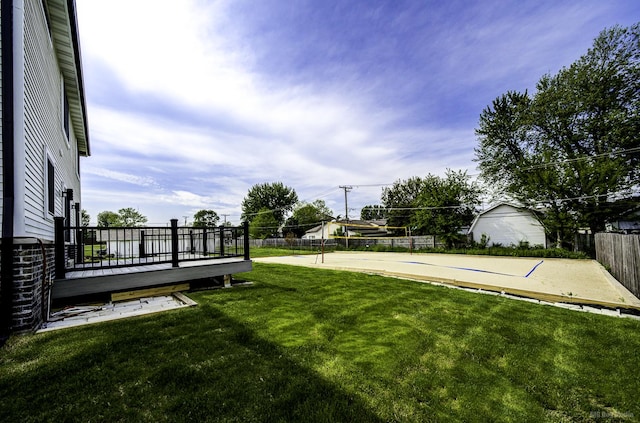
(355, 235)
(343, 230)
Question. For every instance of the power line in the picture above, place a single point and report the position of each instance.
(542, 165)
(323, 194)
(575, 159)
(367, 185)
(348, 188)
(594, 156)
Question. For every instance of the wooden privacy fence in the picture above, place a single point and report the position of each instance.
(621, 253)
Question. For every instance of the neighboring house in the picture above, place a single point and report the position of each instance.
(506, 224)
(352, 228)
(630, 225)
(43, 135)
(317, 232)
(365, 228)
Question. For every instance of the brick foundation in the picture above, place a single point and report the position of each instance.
(30, 289)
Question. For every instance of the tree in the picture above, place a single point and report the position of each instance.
(85, 219)
(205, 218)
(131, 217)
(108, 218)
(306, 215)
(400, 201)
(572, 148)
(373, 212)
(264, 224)
(446, 205)
(276, 197)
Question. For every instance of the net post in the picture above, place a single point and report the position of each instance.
(322, 241)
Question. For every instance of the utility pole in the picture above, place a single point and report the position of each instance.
(225, 218)
(346, 189)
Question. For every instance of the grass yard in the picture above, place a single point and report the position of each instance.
(319, 345)
(278, 252)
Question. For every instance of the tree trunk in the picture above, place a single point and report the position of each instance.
(558, 238)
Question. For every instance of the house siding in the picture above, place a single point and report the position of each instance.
(1, 106)
(508, 225)
(44, 134)
(37, 132)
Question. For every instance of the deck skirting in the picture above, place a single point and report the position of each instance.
(96, 283)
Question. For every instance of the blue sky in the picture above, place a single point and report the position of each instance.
(192, 102)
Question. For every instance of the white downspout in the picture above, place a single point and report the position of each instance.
(19, 153)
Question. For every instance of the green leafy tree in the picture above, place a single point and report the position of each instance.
(305, 216)
(373, 212)
(205, 218)
(276, 197)
(446, 205)
(131, 217)
(400, 201)
(85, 219)
(572, 148)
(264, 224)
(108, 219)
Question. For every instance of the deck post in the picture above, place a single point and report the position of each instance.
(141, 248)
(79, 236)
(174, 242)
(245, 226)
(204, 241)
(60, 259)
(221, 240)
(80, 245)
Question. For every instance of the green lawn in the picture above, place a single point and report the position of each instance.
(318, 345)
(278, 252)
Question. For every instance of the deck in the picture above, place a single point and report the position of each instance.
(105, 263)
(93, 284)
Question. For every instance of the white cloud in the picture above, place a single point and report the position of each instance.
(310, 140)
(186, 198)
(120, 176)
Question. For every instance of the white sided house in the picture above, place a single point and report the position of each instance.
(43, 135)
(507, 225)
(350, 228)
(317, 232)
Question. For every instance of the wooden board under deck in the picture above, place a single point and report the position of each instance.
(149, 292)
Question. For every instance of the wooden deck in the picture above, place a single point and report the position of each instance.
(97, 283)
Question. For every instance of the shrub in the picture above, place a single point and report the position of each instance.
(484, 241)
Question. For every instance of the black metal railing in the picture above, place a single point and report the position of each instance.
(84, 248)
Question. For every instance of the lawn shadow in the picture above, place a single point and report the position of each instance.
(185, 365)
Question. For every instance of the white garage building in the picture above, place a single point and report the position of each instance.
(507, 225)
